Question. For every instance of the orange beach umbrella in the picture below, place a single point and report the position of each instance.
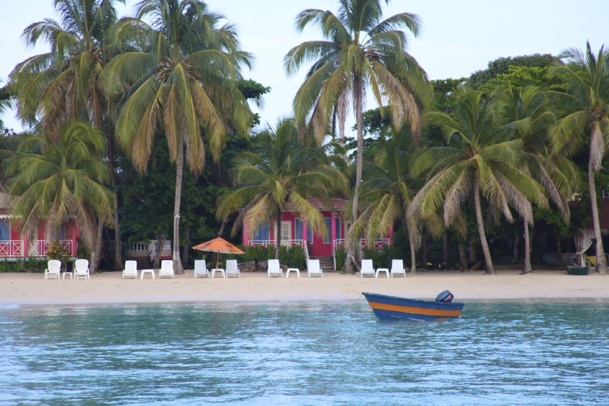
(219, 246)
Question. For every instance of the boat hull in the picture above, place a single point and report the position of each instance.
(387, 307)
(578, 270)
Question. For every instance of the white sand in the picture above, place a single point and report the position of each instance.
(109, 288)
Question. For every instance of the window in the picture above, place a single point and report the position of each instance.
(329, 226)
(262, 233)
(299, 224)
(5, 231)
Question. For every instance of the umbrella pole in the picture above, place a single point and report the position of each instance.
(217, 259)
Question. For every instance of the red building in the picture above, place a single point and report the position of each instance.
(294, 231)
(12, 245)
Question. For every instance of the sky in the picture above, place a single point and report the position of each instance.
(457, 38)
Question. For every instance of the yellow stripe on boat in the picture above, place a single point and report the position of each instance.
(415, 310)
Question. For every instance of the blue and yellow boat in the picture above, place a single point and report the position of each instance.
(392, 307)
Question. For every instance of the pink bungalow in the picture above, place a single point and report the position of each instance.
(13, 246)
(294, 231)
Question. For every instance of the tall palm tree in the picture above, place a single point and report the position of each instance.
(479, 159)
(63, 85)
(528, 115)
(586, 102)
(182, 74)
(56, 181)
(281, 170)
(389, 193)
(360, 52)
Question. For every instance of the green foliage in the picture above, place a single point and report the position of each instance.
(259, 253)
(23, 265)
(292, 257)
(381, 258)
(341, 255)
(57, 251)
(502, 66)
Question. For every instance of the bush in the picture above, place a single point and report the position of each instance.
(292, 257)
(341, 255)
(23, 265)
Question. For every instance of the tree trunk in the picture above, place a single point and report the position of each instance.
(601, 263)
(223, 225)
(96, 252)
(278, 236)
(177, 262)
(445, 250)
(186, 247)
(462, 257)
(413, 262)
(160, 244)
(527, 250)
(351, 245)
(489, 269)
(558, 248)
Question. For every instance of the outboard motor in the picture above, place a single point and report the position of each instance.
(445, 297)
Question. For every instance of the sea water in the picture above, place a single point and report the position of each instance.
(303, 354)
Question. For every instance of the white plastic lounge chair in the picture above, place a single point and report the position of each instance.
(81, 269)
(274, 269)
(130, 270)
(397, 268)
(166, 269)
(314, 269)
(232, 269)
(201, 268)
(367, 268)
(53, 269)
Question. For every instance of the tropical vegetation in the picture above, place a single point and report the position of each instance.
(128, 117)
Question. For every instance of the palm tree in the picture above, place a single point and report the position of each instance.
(388, 192)
(586, 102)
(527, 112)
(56, 181)
(183, 75)
(63, 85)
(281, 170)
(479, 158)
(361, 52)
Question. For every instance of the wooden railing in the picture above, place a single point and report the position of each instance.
(11, 249)
(40, 247)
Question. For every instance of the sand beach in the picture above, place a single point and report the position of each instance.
(111, 288)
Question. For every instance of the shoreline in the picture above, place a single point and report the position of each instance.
(108, 288)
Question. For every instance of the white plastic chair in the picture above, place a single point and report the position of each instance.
(397, 268)
(314, 269)
(201, 268)
(81, 269)
(166, 269)
(274, 269)
(232, 269)
(367, 268)
(53, 269)
(130, 270)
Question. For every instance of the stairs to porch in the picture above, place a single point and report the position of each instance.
(326, 263)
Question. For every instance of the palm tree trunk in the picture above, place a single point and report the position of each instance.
(462, 257)
(490, 270)
(527, 250)
(351, 246)
(177, 262)
(278, 237)
(96, 253)
(413, 262)
(601, 264)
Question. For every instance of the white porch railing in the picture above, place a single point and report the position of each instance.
(266, 243)
(11, 249)
(40, 247)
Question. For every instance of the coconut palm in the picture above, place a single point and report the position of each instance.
(388, 193)
(527, 112)
(480, 158)
(63, 85)
(281, 170)
(182, 72)
(360, 52)
(586, 123)
(53, 182)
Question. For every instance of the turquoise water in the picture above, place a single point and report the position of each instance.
(303, 354)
